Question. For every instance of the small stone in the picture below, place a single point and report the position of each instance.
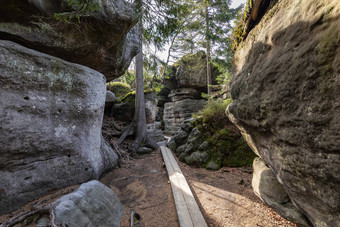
(42, 222)
(153, 171)
(110, 97)
(213, 166)
(144, 150)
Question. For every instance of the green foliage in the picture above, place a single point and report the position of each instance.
(210, 21)
(226, 145)
(225, 68)
(212, 116)
(119, 89)
(129, 78)
(77, 9)
(239, 32)
(130, 97)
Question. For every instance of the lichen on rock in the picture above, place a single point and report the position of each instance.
(285, 91)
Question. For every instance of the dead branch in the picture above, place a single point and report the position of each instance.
(23, 216)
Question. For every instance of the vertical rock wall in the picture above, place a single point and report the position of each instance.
(51, 110)
(285, 91)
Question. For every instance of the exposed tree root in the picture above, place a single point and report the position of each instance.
(141, 137)
(47, 209)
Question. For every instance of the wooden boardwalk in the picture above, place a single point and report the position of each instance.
(189, 214)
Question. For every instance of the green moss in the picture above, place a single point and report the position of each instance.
(226, 145)
(130, 97)
(242, 155)
(326, 49)
(189, 58)
(119, 89)
(212, 117)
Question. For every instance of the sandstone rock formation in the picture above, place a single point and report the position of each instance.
(210, 148)
(182, 92)
(92, 204)
(269, 190)
(177, 112)
(285, 91)
(124, 110)
(31, 23)
(50, 130)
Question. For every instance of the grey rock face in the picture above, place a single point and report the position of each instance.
(177, 112)
(155, 132)
(184, 93)
(172, 145)
(195, 139)
(186, 125)
(50, 130)
(110, 158)
(285, 92)
(196, 158)
(31, 23)
(92, 204)
(151, 107)
(180, 137)
(269, 190)
(190, 71)
(110, 97)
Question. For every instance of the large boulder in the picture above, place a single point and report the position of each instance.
(269, 190)
(285, 91)
(102, 40)
(190, 71)
(177, 112)
(92, 204)
(50, 130)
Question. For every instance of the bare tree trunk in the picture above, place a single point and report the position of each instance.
(138, 124)
(169, 54)
(208, 50)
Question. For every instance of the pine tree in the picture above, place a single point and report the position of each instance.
(209, 30)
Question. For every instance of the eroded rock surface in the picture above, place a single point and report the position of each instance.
(285, 91)
(182, 93)
(92, 204)
(269, 190)
(50, 130)
(103, 40)
(177, 112)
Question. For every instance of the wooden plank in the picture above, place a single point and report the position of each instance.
(188, 211)
(182, 210)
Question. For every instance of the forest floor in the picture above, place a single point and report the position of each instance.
(225, 197)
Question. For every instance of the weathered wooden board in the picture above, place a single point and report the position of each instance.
(188, 211)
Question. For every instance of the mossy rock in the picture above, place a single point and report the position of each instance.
(212, 165)
(197, 158)
(119, 89)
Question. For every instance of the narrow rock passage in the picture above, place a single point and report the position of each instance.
(225, 197)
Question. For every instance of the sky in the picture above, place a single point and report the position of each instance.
(235, 3)
(163, 54)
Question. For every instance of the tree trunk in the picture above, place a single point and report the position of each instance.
(208, 49)
(138, 124)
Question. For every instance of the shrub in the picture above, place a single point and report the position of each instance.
(226, 145)
(212, 116)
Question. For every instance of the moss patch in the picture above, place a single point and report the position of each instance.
(226, 146)
(119, 89)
